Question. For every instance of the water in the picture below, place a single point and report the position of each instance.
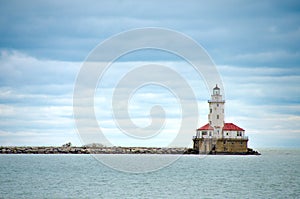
(274, 174)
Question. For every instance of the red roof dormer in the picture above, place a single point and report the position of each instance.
(206, 127)
(231, 127)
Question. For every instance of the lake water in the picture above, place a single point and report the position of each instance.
(274, 174)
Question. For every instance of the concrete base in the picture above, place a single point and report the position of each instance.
(221, 145)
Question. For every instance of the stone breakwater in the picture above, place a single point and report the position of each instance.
(96, 150)
(109, 150)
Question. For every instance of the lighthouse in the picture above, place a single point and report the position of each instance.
(217, 136)
(216, 112)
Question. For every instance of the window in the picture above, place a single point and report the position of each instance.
(217, 116)
(227, 133)
(209, 133)
(210, 110)
(217, 105)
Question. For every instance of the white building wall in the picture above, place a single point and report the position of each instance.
(234, 134)
(206, 134)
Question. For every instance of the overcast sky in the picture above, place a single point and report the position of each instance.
(254, 44)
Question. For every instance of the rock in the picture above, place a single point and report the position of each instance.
(252, 152)
(67, 144)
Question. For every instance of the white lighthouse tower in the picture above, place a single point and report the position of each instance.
(216, 112)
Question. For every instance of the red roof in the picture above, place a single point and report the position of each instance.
(231, 127)
(206, 127)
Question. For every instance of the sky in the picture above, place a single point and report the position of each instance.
(254, 45)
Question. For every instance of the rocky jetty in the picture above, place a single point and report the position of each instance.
(94, 150)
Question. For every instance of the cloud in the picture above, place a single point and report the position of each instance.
(42, 44)
(275, 57)
(271, 85)
(35, 99)
(261, 100)
(232, 36)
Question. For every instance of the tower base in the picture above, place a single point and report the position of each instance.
(221, 145)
